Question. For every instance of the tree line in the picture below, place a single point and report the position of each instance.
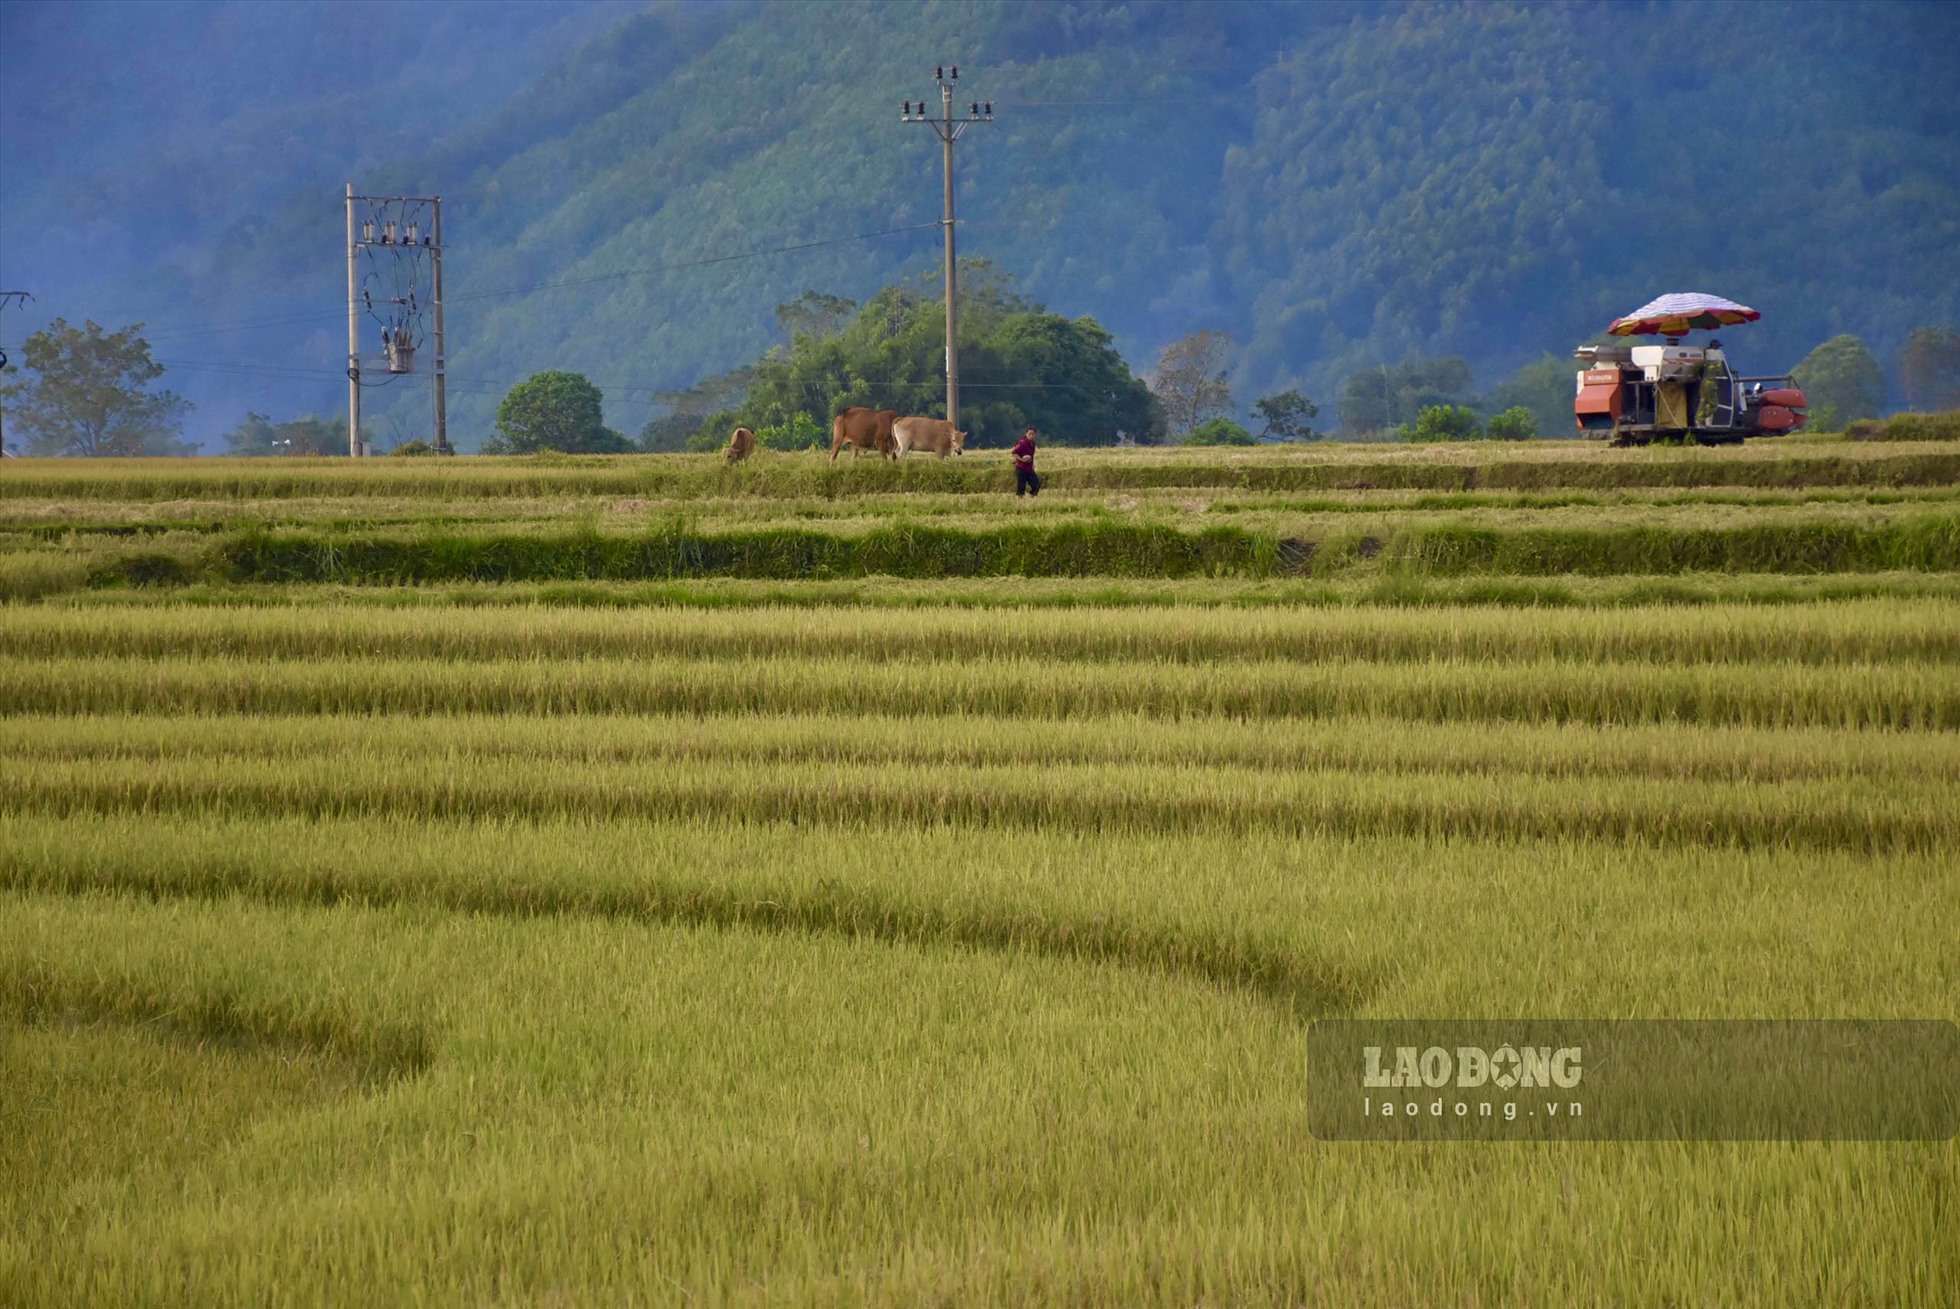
(89, 391)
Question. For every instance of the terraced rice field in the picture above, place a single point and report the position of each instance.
(640, 881)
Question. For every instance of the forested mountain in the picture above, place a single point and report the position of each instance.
(1337, 185)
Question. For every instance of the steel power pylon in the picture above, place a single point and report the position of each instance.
(392, 223)
(948, 129)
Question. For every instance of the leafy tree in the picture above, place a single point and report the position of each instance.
(315, 436)
(554, 411)
(800, 432)
(1190, 379)
(713, 431)
(1287, 415)
(1019, 366)
(1427, 382)
(814, 314)
(255, 436)
(666, 433)
(90, 395)
(1071, 385)
(1514, 424)
(1368, 401)
(1543, 387)
(1841, 381)
(1929, 369)
(1378, 399)
(1219, 431)
(722, 391)
(259, 435)
(696, 411)
(1442, 423)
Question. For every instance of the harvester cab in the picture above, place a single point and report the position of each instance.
(1633, 394)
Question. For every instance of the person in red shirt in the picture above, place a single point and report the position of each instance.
(1025, 481)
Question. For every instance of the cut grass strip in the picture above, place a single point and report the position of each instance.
(35, 995)
(182, 862)
(1925, 543)
(1908, 696)
(1549, 465)
(1104, 799)
(65, 589)
(1673, 753)
(1856, 632)
(30, 522)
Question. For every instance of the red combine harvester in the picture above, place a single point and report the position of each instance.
(1633, 394)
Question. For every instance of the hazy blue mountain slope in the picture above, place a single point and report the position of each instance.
(1491, 181)
(179, 162)
(161, 137)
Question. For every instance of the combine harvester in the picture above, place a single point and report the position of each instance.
(1634, 394)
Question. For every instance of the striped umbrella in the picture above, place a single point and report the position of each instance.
(1681, 312)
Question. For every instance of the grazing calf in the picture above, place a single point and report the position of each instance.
(932, 435)
(741, 444)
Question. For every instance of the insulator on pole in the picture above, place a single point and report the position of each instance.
(956, 72)
(939, 73)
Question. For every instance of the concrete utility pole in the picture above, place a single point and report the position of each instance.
(440, 383)
(948, 130)
(392, 223)
(353, 340)
(7, 297)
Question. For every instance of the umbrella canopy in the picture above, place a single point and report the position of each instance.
(1681, 312)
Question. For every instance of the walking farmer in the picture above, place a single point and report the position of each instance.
(1025, 481)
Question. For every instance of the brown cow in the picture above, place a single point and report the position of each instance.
(932, 435)
(741, 444)
(864, 429)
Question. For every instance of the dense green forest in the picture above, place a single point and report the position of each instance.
(1338, 186)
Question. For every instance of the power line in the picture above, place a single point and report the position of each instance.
(1010, 103)
(692, 263)
(243, 325)
(493, 383)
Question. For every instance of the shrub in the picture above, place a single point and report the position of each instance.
(1515, 424)
(801, 432)
(1219, 431)
(1924, 427)
(411, 449)
(712, 432)
(1442, 423)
